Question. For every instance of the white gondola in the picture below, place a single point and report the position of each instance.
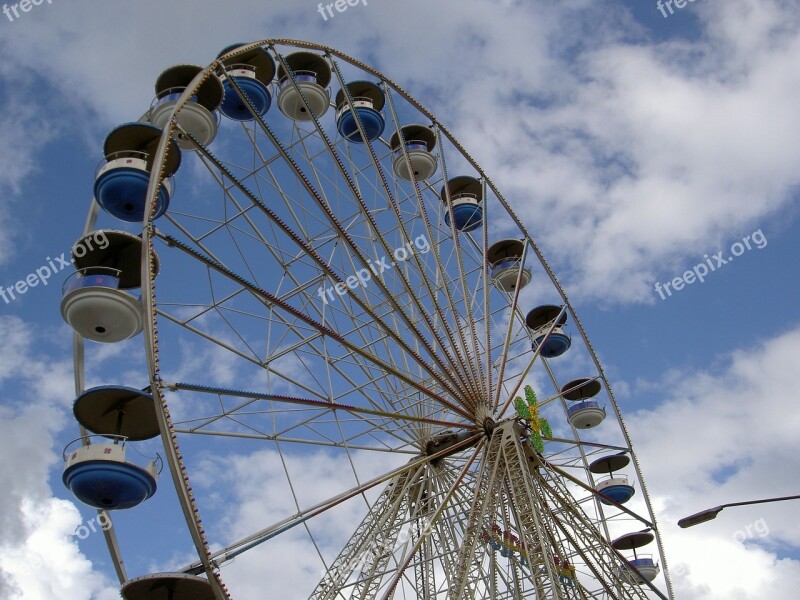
(585, 413)
(94, 306)
(95, 300)
(414, 152)
(308, 78)
(505, 265)
(199, 116)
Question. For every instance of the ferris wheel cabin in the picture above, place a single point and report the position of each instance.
(252, 72)
(121, 182)
(97, 472)
(639, 569)
(584, 413)
(308, 77)
(505, 265)
(168, 586)
(463, 195)
(199, 116)
(95, 301)
(413, 154)
(367, 102)
(539, 321)
(614, 487)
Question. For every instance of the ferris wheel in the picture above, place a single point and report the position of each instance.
(336, 278)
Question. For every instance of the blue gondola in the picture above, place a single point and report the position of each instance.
(367, 102)
(465, 198)
(615, 487)
(539, 321)
(122, 179)
(646, 569)
(252, 71)
(99, 476)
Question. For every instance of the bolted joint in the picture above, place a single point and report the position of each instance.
(488, 426)
(444, 441)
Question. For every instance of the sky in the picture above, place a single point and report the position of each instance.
(635, 147)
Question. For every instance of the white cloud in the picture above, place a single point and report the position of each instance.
(662, 150)
(262, 496)
(39, 559)
(720, 437)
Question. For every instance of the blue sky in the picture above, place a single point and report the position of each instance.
(631, 145)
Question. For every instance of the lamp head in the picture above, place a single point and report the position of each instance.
(701, 517)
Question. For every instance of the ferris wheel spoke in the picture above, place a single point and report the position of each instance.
(575, 442)
(391, 405)
(456, 365)
(270, 299)
(472, 350)
(318, 419)
(325, 267)
(531, 362)
(314, 427)
(595, 551)
(235, 549)
(310, 402)
(246, 356)
(297, 239)
(487, 313)
(443, 312)
(343, 235)
(415, 548)
(593, 493)
(392, 201)
(509, 329)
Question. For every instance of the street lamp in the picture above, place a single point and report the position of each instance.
(711, 513)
